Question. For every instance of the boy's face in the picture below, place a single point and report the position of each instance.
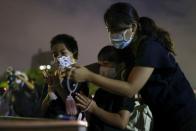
(59, 50)
(107, 69)
(106, 64)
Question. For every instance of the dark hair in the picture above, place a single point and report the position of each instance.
(110, 54)
(149, 28)
(69, 42)
(121, 15)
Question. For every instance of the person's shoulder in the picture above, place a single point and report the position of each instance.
(94, 67)
(150, 45)
(150, 41)
(153, 53)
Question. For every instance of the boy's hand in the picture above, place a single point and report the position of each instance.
(85, 103)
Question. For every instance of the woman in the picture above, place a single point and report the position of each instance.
(154, 71)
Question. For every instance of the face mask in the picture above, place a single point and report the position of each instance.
(65, 62)
(18, 81)
(119, 40)
(108, 72)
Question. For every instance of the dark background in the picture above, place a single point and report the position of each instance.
(26, 27)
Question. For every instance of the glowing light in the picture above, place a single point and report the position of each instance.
(42, 67)
(48, 67)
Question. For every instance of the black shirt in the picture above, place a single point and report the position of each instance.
(26, 101)
(167, 92)
(111, 103)
(57, 107)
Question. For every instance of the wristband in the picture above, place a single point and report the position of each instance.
(89, 105)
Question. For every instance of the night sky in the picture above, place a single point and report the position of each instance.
(27, 26)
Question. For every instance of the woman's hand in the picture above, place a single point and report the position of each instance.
(79, 73)
(85, 103)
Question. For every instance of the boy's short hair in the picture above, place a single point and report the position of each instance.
(69, 42)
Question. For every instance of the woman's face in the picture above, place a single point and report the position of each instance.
(121, 38)
(121, 35)
(59, 50)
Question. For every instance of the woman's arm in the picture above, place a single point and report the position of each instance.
(136, 80)
(119, 119)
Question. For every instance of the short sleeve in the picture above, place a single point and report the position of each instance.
(127, 104)
(153, 54)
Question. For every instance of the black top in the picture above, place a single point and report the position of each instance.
(112, 103)
(167, 92)
(57, 107)
(26, 101)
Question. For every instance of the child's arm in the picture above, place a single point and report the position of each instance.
(119, 119)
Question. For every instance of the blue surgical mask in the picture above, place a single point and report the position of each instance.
(119, 40)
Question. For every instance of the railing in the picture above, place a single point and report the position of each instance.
(36, 124)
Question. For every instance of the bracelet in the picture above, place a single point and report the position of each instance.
(89, 105)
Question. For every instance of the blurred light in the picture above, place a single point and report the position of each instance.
(42, 67)
(48, 67)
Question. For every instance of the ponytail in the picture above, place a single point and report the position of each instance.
(147, 27)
